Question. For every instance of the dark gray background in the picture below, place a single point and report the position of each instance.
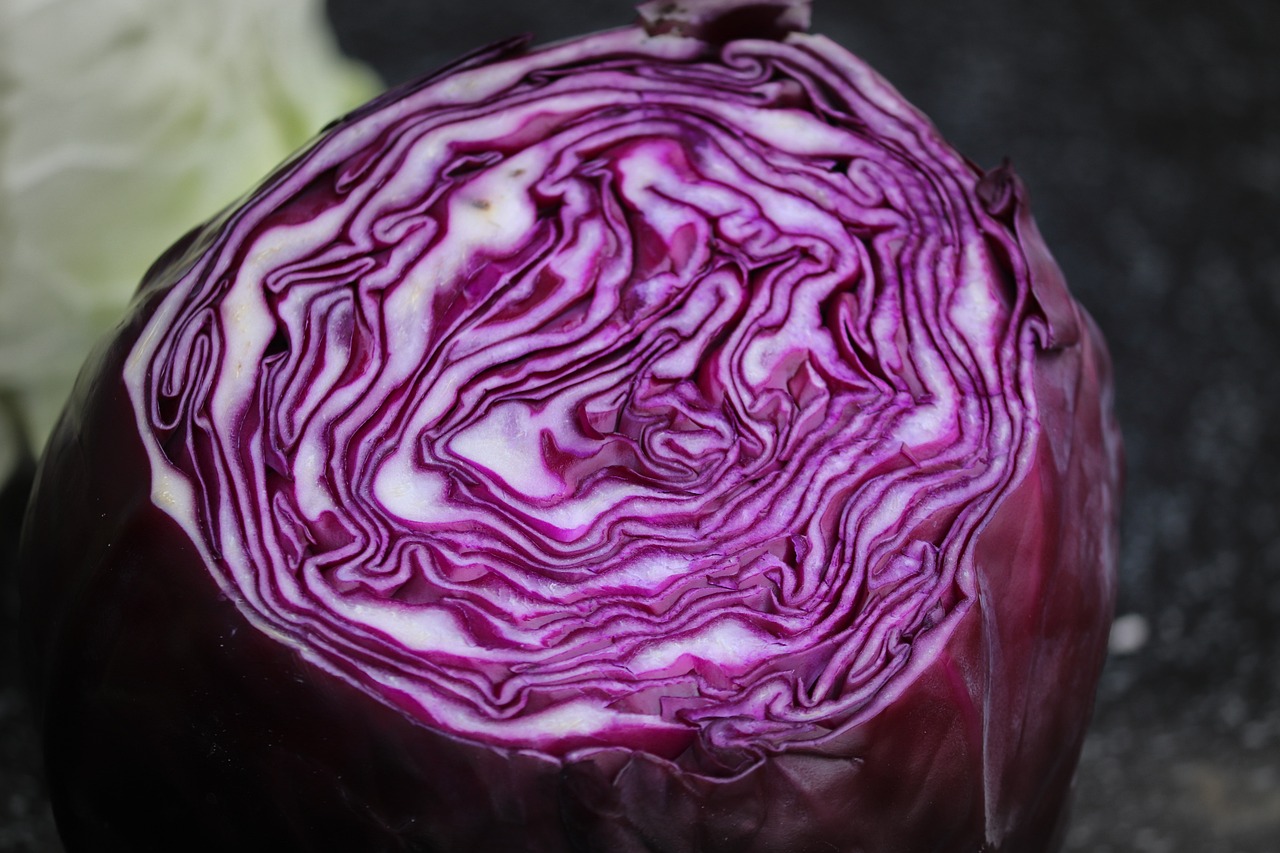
(1148, 132)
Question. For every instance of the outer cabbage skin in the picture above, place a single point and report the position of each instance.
(180, 712)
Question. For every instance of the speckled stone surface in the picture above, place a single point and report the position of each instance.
(1149, 135)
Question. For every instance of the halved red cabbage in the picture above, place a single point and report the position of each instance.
(659, 441)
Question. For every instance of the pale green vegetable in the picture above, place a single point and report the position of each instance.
(122, 122)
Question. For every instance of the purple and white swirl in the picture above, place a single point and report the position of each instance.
(631, 391)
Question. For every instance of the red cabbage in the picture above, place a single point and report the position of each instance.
(658, 441)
